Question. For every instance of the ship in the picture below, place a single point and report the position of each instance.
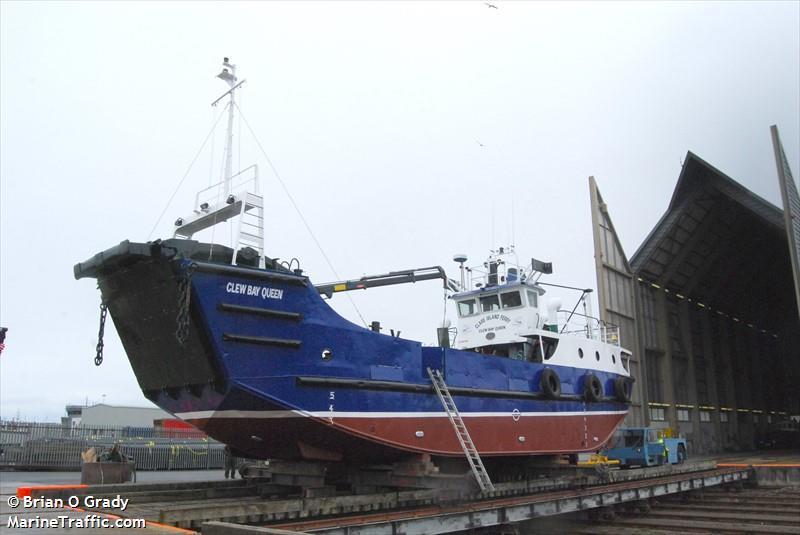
(246, 348)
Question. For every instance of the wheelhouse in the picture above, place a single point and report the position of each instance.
(499, 299)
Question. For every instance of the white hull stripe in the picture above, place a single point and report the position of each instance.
(203, 415)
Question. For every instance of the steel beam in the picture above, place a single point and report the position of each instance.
(791, 209)
(612, 263)
(665, 373)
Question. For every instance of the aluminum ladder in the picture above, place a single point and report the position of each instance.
(474, 459)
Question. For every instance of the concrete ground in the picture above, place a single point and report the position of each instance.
(757, 457)
(10, 481)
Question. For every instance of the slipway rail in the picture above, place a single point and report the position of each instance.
(286, 502)
(447, 519)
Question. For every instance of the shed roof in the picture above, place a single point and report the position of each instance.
(721, 244)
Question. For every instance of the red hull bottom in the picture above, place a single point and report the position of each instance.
(290, 435)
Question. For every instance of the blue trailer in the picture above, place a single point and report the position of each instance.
(645, 446)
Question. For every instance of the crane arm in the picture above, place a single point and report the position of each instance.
(387, 279)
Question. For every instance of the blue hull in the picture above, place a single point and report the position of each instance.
(268, 367)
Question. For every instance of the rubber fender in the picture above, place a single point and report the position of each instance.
(592, 387)
(621, 389)
(550, 383)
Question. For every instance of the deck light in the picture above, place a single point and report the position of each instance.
(179, 222)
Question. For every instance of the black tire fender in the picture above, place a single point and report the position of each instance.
(621, 389)
(592, 388)
(550, 383)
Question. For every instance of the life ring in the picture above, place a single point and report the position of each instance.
(621, 389)
(592, 387)
(550, 383)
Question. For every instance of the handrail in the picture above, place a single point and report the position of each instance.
(201, 198)
(608, 333)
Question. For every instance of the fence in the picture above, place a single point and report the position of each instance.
(41, 446)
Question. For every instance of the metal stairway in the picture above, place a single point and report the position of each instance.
(474, 459)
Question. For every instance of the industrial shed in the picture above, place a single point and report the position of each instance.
(708, 302)
(101, 414)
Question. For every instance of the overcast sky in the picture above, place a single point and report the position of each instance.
(403, 131)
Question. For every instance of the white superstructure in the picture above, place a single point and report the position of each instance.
(508, 314)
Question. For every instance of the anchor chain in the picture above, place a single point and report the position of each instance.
(184, 300)
(98, 359)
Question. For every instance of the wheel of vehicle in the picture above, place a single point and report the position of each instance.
(621, 389)
(550, 383)
(592, 388)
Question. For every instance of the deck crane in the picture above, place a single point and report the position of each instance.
(388, 279)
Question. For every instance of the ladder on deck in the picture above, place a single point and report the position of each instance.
(250, 229)
(474, 459)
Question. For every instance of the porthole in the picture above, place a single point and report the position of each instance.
(597, 355)
(580, 352)
(327, 354)
(613, 358)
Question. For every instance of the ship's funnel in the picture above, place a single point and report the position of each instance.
(553, 306)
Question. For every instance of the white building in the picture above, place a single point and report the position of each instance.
(102, 414)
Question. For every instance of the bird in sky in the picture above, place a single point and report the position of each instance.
(491, 5)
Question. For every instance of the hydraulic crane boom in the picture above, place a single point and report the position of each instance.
(387, 279)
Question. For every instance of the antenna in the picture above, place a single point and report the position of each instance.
(461, 258)
(491, 245)
(513, 241)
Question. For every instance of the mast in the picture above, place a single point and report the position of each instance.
(219, 202)
(228, 75)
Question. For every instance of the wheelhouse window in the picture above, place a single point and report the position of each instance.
(533, 298)
(511, 299)
(467, 308)
(490, 303)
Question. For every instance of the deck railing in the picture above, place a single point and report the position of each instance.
(246, 179)
(594, 328)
